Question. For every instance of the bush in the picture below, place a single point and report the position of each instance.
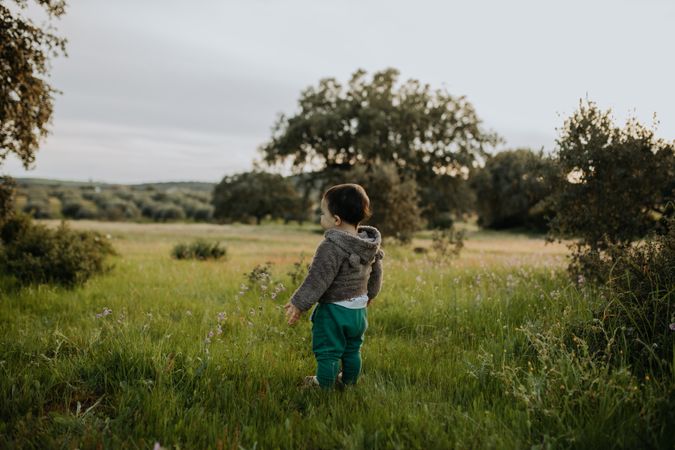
(511, 189)
(7, 193)
(34, 254)
(38, 207)
(169, 212)
(199, 249)
(637, 324)
(79, 209)
(447, 243)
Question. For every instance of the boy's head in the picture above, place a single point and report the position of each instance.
(344, 203)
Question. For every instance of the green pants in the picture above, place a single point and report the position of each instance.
(337, 335)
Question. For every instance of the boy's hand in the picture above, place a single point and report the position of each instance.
(369, 300)
(292, 313)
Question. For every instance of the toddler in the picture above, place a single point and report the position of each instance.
(344, 277)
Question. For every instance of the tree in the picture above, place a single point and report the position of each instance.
(616, 184)
(424, 133)
(26, 98)
(256, 194)
(394, 199)
(615, 178)
(512, 188)
(445, 198)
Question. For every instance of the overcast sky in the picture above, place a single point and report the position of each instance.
(174, 90)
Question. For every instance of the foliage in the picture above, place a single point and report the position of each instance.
(637, 323)
(616, 181)
(25, 94)
(38, 206)
(115, 202)
(368, 121)
(7, 194)
(512, 188)
(199, 249)
(393, 198)
(428, 135)
(447, 243)
(299, 271)
(445, 198)
(35, 254)
(255, 195)
(260, 281)
(571, 397)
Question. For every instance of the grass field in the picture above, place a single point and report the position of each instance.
(458, 354)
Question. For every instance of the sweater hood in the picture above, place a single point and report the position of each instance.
(362, 248)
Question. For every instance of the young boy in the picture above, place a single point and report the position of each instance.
(344, 277)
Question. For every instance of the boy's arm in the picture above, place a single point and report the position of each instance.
(375, 280)
(322, 271)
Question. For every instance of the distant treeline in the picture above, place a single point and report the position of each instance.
(49, 199)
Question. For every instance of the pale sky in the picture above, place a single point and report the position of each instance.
(176, 91)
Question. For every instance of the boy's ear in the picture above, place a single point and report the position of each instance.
(338, 221)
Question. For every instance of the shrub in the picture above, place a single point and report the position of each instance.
(614, 187)
(119, 209)
(199, 249)
(79, 209)
(169, 212)
(38, 207)
(34, 254)
(637, 323)
(299, 271)
(511, 188)
(260, 281)
(7, 192)
(447, 243)
(203, 212)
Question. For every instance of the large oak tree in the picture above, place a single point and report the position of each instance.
(425, 133)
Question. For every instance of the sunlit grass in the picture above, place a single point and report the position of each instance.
(186, 360)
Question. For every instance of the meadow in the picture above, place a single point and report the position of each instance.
(459, 353)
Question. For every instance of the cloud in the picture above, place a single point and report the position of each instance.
(125, 154)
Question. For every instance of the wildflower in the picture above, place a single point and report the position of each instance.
(221, 317)
(219, 330)
(157, 446)
(188, 313)
(672, 327)
(210, 334)
(581, 279)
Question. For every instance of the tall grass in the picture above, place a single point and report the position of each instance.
(465, 355)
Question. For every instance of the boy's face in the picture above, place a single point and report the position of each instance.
(328, 220)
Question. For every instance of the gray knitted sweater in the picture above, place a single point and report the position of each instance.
(344, 266)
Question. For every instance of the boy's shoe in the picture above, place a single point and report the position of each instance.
(338, 382)
(310, 382)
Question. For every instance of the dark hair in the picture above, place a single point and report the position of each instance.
(349, 201)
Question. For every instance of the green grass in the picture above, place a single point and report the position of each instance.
(451, 356)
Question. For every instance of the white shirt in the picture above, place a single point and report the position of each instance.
(354, 303)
